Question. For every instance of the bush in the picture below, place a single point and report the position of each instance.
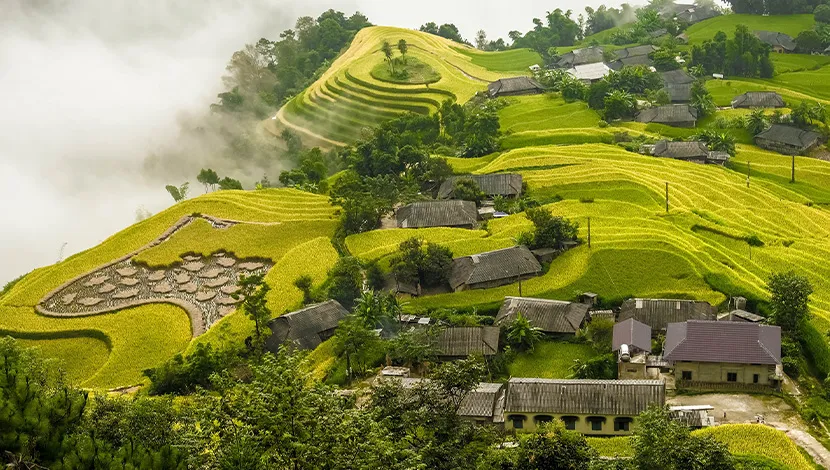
(602, 124)
(183, 375)
(816, 349)
(822, 13)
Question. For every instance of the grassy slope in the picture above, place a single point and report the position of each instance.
(788, 24)
(140, 338)
(516, 60)
(550, 360)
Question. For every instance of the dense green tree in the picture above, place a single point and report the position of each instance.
(664, 60)
(414, 347)
(466, 189)
(557, 29)
(553, 447)
(178, 193)
(635, 80)
(209, 178)
(790, 301)
(228, 183)
(481, 130)
(355, 341)
(822, 13)
(757, 121)
(304, 284)
(345, 281)
(403, 48)
(386, 49)
(809, 42)
(619, 104)
(596, 93)
(573, 89)
(602, 367)
(702, 100)
(364, 201)
(718, 140)
(419, 263)
(549, 231)
(521, 334)
(183, 375)
(661, 443)
(253, 291)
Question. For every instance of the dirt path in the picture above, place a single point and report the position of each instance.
(281, 118)
(807, 442)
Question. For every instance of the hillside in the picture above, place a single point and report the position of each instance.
(348, 97)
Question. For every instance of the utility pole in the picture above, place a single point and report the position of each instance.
(60, 254)
(793, 179)
(589, 232)
(667, 197)
(748, 172)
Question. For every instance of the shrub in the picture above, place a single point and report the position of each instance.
(602, 124)
(816, 349)
(586, 200)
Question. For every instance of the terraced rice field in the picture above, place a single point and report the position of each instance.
(112, 350)
(787, 24)
(516, 60)
(696, 250)
(337, 108)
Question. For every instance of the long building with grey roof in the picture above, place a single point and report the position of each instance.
(677, 115)
(493, 268)
(550, 316)
(508, 185)
(788, 140)
(425, 214)
(658, 313)
(305, 328)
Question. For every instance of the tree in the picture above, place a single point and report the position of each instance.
(550, 231)
(353, 339)
(345, 281)
(702, 100)
(661, 443)
(522, 335)
(572, 89)
(466, 189)
(209, 178)
(664, 60)
(423, 264)
(414, 347)
(757, 121)
(718, 140)
(481, 40)
(481, 131)
(553, 447)
(386, 48)
(450, 31)
(619, 104)
(403, 48)
(790, 301)
(228, 183)
(253, 291)
(602, 367)
(376, 309)
(304, 283)
(822, 13)
(809, 42)
(179, 194)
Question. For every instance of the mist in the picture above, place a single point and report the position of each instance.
(101, 100)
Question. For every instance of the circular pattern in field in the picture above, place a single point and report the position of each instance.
(411, 72)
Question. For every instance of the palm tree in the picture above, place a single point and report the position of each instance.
(618, 104)
(718, 140)
(386, 48)
(522, 334)
(819, 113)
(756, 121)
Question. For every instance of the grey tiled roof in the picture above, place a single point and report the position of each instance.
(680, 150)
(481, 401)
(464, 341)
(586, 55)
(551, 316)
(591, 397)
(493, 266)
(758, 99)
(729, 342)
(658, 33)
(658, 313)
(776, 39)
(679, 92)
(515, 85)
(437, 214)
(789, 135)
(697, 14)
(594, 71)
(669, 114)
(636, 51)
(677, 76)
(303, 327)
(499, 184)
(632, 333)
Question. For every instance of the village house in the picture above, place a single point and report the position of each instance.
(780, 42)
(711, 354)
(493, 268)
(424, 214)
(631, 340)
(658, 313)
(678, 85)
(658, 33)
(484, 404)
(632, 56)
(696, 14)
(515, 86)
(589, 73)
(758, 99)
(682, 38)
(788, 140)
(677, 115)
(507, 185)
(305, 328)
(461, 342)
(553, 317)
(591, 407)
(586, 55)
(696, 152)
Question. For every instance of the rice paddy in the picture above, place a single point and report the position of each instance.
(787, 24)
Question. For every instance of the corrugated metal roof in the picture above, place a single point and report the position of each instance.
(729, 342)
(481, 401)
(464, 341)
(496, 265)
(585, 55)
(636, 51)
(789, 135)
(303, 327)
(758, 99)
(677, 76)
(590, 72)
(551, 316)
(591, 397)
(679, 92)
(681, 150)
(515, 85)
(776, 39)
(668, 114)
(500, 184)
(437, 214)
(632, 333)
(658, 313)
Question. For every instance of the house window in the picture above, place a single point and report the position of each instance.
(731, 376)
(542, 419)
(686, 375)
(622, 424)
(517, 420)
(596, 422)
(756, 378)
(570, 422)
